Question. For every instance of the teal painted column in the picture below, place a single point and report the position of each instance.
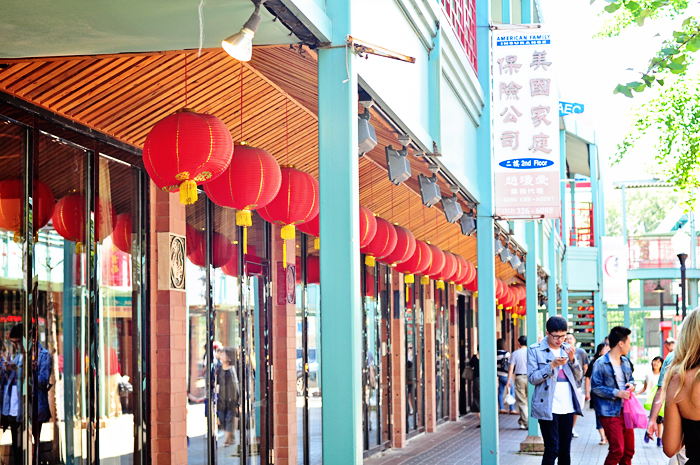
(485, 249)
(564, 229)
(527, 7)
(435, 85)
(531, 297)
(626, 312)
(341, 331)
(507, 14)
(599, 324)
(552, 282)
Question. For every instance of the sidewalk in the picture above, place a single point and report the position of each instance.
(459, 443)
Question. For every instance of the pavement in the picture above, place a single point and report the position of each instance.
(459, 443)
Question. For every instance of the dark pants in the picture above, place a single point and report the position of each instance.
(621, 440)
(16, 446)
(556, 434)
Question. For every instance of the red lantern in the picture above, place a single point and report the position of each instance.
(186, 149)
(192, 238)
(221, 252)
(313, 269)
(369, 284)
(250, 182)
(296, 202)
(69, 219)
(311, 228)
(405, 246)
(500, 289)
(383, 244)
(473, 285)
(417, 263)
(450, 266)
(368, 226)
(437, 263)
(461, 273)
(122, 232)
(471, 274)
(231, 267)
(12, 206)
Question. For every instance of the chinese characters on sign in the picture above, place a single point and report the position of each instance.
(525, 125)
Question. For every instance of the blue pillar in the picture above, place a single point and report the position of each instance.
(341, 331)
(564, 229)
(527, 9)
(531, 297)
(552, 282)
(485, 249)
(626, 311)
(599, 324)
(435, 84)
(507, 13)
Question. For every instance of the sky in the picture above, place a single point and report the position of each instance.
(590, 70)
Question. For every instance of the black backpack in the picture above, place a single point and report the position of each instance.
(504, 363)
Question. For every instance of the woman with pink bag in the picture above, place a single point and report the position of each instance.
(682, 391)
(612, 383)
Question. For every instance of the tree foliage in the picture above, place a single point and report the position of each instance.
(675, 53)
(674, 117)
(646, 208)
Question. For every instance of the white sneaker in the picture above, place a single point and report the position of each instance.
(574, 434)
(523, 427)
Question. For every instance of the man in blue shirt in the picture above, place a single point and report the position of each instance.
(555, 372)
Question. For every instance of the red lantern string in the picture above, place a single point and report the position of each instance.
(240, 79)
(286, 126)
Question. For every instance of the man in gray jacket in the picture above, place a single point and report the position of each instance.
(555, 372)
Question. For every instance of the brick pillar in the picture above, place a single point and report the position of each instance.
(430, 397)
(168, 341)
(453, 361)
(284, 425)
(398, 362)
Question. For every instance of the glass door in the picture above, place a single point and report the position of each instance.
(414, 359)
(256, 432)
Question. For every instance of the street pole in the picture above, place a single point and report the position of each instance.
(682, 257)
(661, 307)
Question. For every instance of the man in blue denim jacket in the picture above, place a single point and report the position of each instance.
(555, 372)
(611, 381)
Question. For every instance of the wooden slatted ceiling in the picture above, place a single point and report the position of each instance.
(124, 95)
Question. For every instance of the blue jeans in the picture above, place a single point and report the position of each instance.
(502, 381)
(556, 434)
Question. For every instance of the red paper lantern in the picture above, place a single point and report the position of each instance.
(471, 274)
(195, 246)
(69, 219)
(122, 232)
(417, 263)
(186, 149)
(12, 206)
(448, 270)
(296, 202)
(231, 267)
(221, 252)
(437, 263)
(368, 226)
(250, 182)
(461, 273)
(192, 238)
(473, 285)
(313, 270)
(311, 228)
(500, 289)
(383, 244)
(405, 246)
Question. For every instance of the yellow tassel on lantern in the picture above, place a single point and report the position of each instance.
(409, 279)
(79, 248)
(16, 237)
(188, 192)
(36, 237)
(317, 243)
(369, 260)
(440, 284)
(501, 315)
(500, 307)
(244, 218)
(460, 288)
(424, 280)
(287, 233)
(476, 294)
(408, 293)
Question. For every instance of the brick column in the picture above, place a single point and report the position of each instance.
(284, 410)
(168, 341)
(398, 362)
(453, 361)
(429, 319)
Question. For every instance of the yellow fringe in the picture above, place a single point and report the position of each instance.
(501, 315)
(440, 284)
(244, 218)
(79, 248)
(245, 239)
(188, 192)
(17, 237)
(284, 254)
(476, 294)
(369, 260)
(287, 233)
(459, 287)
(424, 280)
(317, 243)
(409, 279)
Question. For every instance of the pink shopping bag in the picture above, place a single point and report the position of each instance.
(634, 414)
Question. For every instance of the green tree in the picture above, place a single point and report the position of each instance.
(646, 208)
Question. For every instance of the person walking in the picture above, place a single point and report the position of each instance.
(682, 394)
(651, 383)
(502, 361)
(612, 383)
(517, 374)
(582, 358)
(552, 364)
(602, 349)
(476, 387)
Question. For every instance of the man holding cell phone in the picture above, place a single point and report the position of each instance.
(555, 372)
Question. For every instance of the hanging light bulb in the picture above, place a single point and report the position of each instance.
(240, 45)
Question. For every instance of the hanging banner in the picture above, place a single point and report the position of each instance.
(615, 264)
(525, 112)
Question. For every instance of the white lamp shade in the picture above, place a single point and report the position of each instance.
(681, 243)
(240, 45)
